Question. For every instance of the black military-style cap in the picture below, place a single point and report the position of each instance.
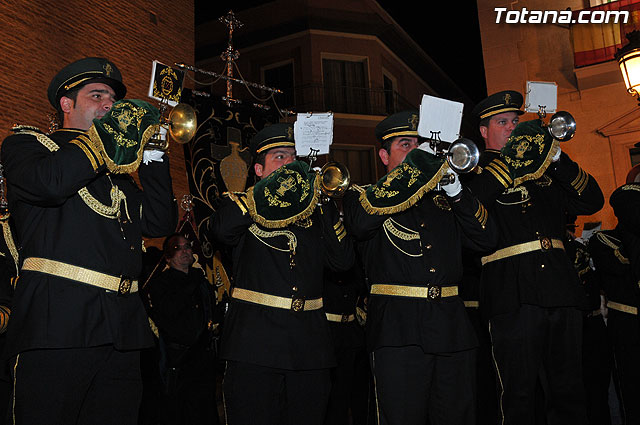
(85, 71)
(625, 201)
(497, 103)
(403, 123)
(273, 136)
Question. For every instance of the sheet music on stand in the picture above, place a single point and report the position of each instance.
(541, 96)
(313, 133)
(441, 117)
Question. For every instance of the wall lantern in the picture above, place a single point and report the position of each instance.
(628, 58)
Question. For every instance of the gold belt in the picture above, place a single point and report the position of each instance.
(79, 274)
(293, 303)
(431, 292)
(472, 304)
(342, 318)
(622, 307)
(542, 244)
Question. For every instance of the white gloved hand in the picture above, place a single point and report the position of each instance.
(452, 189)
(426, 146)
(556, 157)
(152, 155)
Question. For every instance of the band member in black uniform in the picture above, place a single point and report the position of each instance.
(343, 294)
(276, 338)
(531, 293)
(616, 258)
(410, 235)
(77, 327)
(597, 357)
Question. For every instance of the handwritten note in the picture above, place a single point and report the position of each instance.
(313, 132)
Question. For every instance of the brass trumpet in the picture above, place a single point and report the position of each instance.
(334, 179)
(182, 126)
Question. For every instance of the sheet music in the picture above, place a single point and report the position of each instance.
(440, 116)
(541, 94)
(313, 131)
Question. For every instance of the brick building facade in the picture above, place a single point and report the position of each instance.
(38, 38)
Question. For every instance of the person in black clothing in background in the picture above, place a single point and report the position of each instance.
(350, 379)
(597, 357)
(616, 258)
(182, 305)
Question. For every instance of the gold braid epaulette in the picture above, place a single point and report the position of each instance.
(240, 198)
(117, 196)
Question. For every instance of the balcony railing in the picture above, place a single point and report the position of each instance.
(597, 42)
(346, 99)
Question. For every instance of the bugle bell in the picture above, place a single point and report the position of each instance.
(181, 124)
(562, 126)
(463, 156)
(334, 179)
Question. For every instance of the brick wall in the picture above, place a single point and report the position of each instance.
(39, 38)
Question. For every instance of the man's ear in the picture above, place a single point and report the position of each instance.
(483, 131)
(258, 169)
(66, 104)
(384, 156)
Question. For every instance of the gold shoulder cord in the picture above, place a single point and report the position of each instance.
(610, 242)
(117, 196)
(8, 238)
(389, 227)
(291, 237)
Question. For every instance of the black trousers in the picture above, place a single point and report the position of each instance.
(91, 386)
(624, 331)
(597, 362)
(257, 395)
(417, 388)
(535, 344)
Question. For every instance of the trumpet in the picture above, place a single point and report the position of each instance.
(181, 124)
(462, 156)
(334, 179)
(562, 126)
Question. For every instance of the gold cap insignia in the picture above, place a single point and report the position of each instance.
(108, 69)
(413, 121)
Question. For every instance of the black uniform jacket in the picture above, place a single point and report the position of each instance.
(263, 262)
(591, 284)
(54, 222)
(534, 210)
(617, 265)
(418, 246)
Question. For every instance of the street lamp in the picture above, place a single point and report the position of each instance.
(628, 58)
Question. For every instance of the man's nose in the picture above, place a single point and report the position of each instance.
(107, 103)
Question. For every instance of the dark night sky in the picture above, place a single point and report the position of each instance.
(447, 31)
